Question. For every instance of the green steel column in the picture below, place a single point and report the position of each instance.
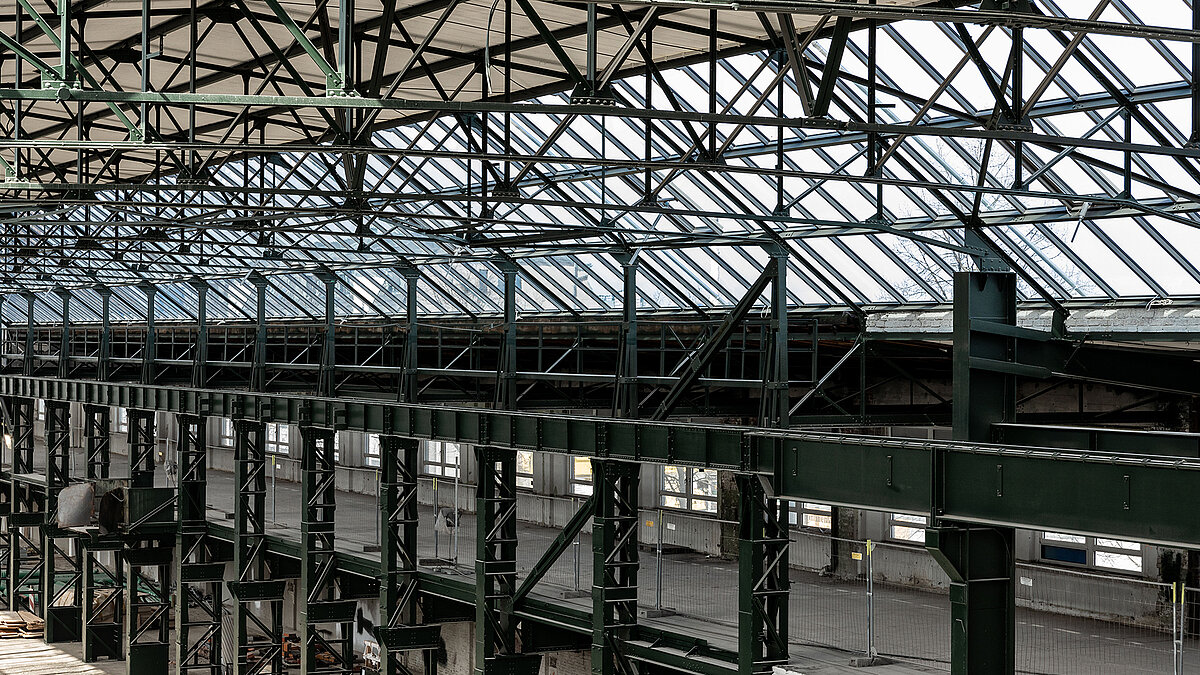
(103, 599)
(97, 433)
(316, 597)
(326, 384)
(62, 584)
(615, 564)
(625, 396)
(398, 631)
(198, 575)
(254, 576)
(496, 561)
(64, 336)
(28, 541)
(775, 396)
(258, 366)
(141, 447)
(506, 371)
(150, 349)
(27, 362)
(104, 351)
(763, 582)
(200, 354)
(146, 629)
(979, 560)
(408, 376)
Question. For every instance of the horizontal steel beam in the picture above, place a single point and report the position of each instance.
(1142, 497)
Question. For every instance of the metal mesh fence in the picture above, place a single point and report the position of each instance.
(1069, 621)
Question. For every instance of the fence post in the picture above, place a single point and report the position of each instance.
(577, 544)
(870, 599)
(1178, 623)
(658, 571)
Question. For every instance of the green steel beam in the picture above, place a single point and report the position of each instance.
(1163, 443)
(560, 545)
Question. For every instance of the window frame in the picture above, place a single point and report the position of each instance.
(226, 434)
(278, 436)
(525, 478)
(907, 521)
(803, 515)
(1091, 548)
(373, 452)
(581, 484)
(687, 495)
(443, 466)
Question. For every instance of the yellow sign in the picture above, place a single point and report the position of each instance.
(856, 556)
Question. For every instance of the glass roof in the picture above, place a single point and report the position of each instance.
(887, 237)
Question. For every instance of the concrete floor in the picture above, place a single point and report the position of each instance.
(34, 657)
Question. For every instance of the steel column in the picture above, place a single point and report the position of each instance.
(615, 567)
(199, 576)
(26, 518)
(398, 631)
(97, 435)
(495, 560)
(254, 574)
(141, 447)
(64, 336)
(62, 588)
(258, 372)
(506, 376)
(150, 349)
(200, 355)
(408, 373)
(625, 396)
(326, 384)
(317, 595)
(104, 352)
(147, 607)
(103, 599)
(776, 401)
(763, 581)
(979, 560)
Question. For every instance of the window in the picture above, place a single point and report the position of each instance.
(581, 476)
(808, 514)
(373, 451)
(41, 410)
(1108, 554)
(337, 447)
(441, 459)
(906, 527)
(278, 439)
(225, 436)
(689, 488)
(525, 469)
(121, 420)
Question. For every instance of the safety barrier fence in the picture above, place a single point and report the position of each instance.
(859, 597)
